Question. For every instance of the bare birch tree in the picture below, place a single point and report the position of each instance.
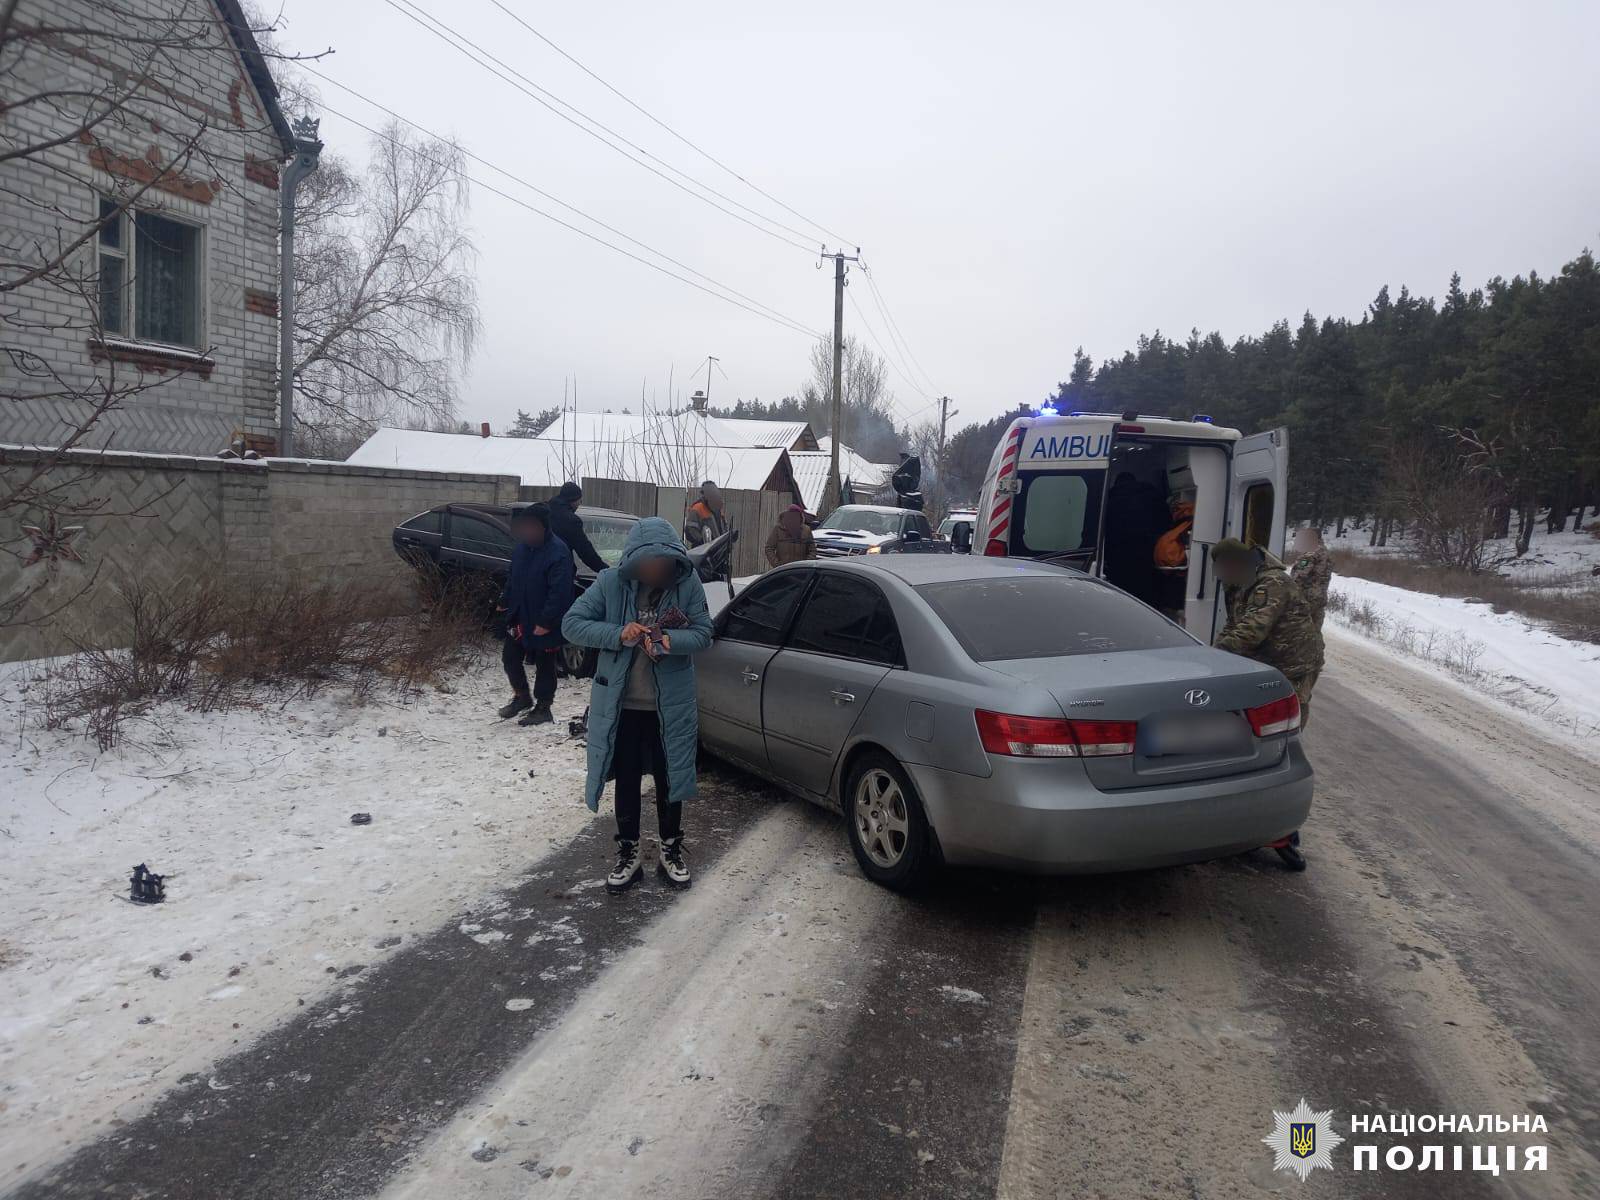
(386, 306)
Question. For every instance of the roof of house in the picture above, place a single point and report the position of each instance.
(255, 65)
(687, 427)
(811, 473)
(791, 435)
(547, 462)
(857, 467)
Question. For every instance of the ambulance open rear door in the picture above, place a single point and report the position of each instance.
(1258, 498)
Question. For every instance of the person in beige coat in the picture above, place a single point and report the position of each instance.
(790, 540)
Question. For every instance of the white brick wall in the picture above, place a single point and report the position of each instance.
(56, 194)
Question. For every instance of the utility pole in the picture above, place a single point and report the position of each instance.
(945, 413)
(307, 146)
(830, 495)
(711, 361)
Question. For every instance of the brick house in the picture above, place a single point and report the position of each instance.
(147, 208)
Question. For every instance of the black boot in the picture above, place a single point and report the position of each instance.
(518, 703)
(539, 714)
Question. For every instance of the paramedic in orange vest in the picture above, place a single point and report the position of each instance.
(706, 520)
(1172, 556)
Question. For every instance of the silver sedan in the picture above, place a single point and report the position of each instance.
(993, 711)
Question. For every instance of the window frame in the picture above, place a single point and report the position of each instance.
(820, 578)
(126, 222)
(1250, 513)
(450, 542)
(771, 579)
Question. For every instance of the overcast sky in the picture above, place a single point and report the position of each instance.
(1024, 178)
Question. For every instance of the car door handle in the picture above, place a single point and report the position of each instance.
(750, 676)
(840, 696)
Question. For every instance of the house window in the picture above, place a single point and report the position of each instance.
(150, 277)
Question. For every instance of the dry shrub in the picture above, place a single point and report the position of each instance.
(218, 647)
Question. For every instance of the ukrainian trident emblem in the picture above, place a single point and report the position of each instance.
(1302, 1140)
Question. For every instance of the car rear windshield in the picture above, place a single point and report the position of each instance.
(1046, 617)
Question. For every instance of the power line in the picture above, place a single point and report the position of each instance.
(894, 327)
(786, 322)
(706, 154)
(538, 191)
(908, 414)
(459, 42)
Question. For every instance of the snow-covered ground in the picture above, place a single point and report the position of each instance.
(274, 897)
(1545, 678)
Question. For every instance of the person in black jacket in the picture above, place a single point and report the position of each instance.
(537, 595)
(567, 525)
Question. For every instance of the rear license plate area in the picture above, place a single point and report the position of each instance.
(1215, 735)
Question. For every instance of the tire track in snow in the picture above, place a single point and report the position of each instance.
(687, 1063)
(330, 1103)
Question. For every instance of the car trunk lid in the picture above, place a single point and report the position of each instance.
(1188, 702)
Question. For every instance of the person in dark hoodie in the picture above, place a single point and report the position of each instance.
(538, 592)
(646, 617)
(567, 525)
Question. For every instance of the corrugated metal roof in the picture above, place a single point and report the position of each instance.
(685, 427)
(545, 462)
(787, 434)
(811, 474)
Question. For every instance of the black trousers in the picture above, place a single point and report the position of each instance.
(544, 670)
(638, 750)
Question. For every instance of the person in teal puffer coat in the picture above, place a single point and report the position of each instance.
(645, 616)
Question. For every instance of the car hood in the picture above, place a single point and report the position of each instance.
(854, 537)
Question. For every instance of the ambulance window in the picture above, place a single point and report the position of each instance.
(1258, 515)
(1059, 511)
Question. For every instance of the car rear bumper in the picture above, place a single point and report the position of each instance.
(1032, 816)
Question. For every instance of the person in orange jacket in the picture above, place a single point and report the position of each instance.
(1172, 547)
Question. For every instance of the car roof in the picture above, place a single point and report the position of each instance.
(917, 569)
(877, 508)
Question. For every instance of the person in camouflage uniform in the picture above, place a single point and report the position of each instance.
(1269, 619)
(1313, 571)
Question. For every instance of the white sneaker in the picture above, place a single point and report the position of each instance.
(629, 869)
(673, 866)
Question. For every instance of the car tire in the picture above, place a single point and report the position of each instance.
(572, 660)
(886, 824)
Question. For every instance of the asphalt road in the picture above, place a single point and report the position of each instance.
(785, 1029)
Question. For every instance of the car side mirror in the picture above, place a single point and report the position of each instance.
(961, 537)
(913, 536)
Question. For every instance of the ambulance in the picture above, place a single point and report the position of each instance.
(1095, 491)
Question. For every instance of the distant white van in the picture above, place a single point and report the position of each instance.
(1061, 487)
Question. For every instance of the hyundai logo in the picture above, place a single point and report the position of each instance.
(1198, 698)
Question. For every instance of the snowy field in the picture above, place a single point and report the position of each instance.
(1553, 554)
(1544, 678)
(275, 898)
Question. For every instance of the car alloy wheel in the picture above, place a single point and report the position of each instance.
(572, 658)
(883, 824)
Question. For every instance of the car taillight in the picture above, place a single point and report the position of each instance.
(1276, 716)
(995, 548)
(1053, 737)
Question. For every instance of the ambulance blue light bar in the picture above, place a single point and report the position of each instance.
(1203, 418)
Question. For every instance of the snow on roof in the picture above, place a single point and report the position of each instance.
(811, 474)
(789, 434)
(546, 462)
(861, 472)
(687, 427)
